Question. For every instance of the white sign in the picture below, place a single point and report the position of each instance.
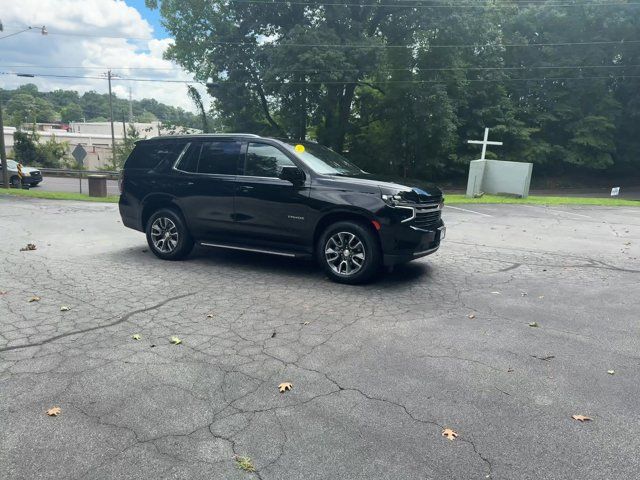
(484, 143)
(615, 191)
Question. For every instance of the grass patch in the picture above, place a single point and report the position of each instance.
(535, 200)
(57, 195)
(245, 463)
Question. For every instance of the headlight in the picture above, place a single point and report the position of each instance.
(391, 200)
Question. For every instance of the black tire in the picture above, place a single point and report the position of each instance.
(14, 182)
(349, 252)
(168, 236)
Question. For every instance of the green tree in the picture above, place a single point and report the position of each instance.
(124, 148)
(51, 154)
(21, 109)
(72, 112)
(25, 147)
(29, 151)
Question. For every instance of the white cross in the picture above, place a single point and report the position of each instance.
(484, 143)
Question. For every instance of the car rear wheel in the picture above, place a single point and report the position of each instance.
(15, 182)
(349, 252)
(168, 236)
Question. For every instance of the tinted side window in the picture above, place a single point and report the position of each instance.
(148, 156)
(219, 157)
(265, 161)
(189, 161)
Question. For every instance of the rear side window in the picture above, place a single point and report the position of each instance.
(148, 156)
(189, 161)
(219, 158)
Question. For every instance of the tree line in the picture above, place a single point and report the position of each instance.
(399, 86)
(26, 105)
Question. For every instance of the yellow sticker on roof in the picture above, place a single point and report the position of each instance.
(299, 148)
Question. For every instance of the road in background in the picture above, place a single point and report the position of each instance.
(66, 184)
(72, 185)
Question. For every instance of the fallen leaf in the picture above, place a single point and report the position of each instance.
(581, 418)
(210, 315)
(283, 387)
(611, 372)
(510, 370)
(450, 434)
(136, 336)
(34, 299)
(176, 340)
(29, 247)
(471, 316)
(65, 308)
(54, 412)
(273, 335)
(533, 324)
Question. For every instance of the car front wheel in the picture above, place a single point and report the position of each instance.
(349, 252)
(168, 236)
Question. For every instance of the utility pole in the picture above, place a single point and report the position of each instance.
(113, 136)
(130, 107)
(3, 154)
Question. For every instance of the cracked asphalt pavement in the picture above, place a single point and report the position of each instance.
(378, 370)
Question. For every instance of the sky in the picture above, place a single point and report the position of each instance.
(81, 43)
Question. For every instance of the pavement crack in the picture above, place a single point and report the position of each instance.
(122, 319)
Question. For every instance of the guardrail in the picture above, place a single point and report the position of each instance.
(67, 172)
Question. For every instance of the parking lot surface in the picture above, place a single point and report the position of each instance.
(503, 335)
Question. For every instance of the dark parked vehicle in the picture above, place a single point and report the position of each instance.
(30, 176)
(294, 199)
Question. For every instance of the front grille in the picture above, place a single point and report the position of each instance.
(427, 217)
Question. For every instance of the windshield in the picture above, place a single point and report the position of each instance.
(325, 161)
(11, 164)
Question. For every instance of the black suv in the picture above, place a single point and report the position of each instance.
(294, 199)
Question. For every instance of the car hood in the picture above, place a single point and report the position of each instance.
(411, 190)
(29, 169)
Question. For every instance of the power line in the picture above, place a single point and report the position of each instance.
(339, 70)
(405, 5)
(158, 80)
(621, 42)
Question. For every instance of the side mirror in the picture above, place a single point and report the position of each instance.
(292, 174)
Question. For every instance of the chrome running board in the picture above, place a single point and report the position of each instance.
(248, 249)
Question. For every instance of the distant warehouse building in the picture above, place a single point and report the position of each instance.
(95, 137)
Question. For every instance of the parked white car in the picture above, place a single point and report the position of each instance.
(30, 176)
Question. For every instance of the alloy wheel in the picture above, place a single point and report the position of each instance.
(345, 253)
(164, 235)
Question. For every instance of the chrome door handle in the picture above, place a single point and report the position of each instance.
(246, 188)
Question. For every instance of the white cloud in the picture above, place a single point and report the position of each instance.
(83, 22)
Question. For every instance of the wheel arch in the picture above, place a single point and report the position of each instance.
(153, 203)
(360, 216)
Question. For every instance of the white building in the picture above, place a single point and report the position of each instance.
(94, 137)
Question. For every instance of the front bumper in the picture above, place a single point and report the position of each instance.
(31, 179)
(425, 242)
(405, 236)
